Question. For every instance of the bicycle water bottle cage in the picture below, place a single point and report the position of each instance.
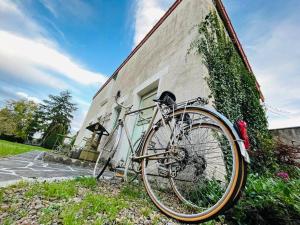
(166, 98)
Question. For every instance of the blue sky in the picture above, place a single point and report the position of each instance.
(47, 46)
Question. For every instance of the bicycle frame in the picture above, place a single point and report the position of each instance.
(135, 154)
(148, 128)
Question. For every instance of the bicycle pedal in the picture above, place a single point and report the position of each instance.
(118, 174)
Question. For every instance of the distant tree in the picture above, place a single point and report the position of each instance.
(37, 125)
(16, 117)
(56, 114)
(8, 126)
(54, 135)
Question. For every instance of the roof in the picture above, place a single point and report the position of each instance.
(96, 127)
(227, 23)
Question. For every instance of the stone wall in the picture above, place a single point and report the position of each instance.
(290, 136)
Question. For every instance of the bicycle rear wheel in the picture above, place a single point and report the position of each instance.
(242, 175)
(107, 151)
(195, 172)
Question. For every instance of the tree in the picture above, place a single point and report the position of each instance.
(37, 124)
(56, 114)
(16, 117)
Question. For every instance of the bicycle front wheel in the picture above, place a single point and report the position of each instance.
(107, 151)
(193, 166)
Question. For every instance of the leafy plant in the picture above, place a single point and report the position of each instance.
(232, 85)
(268, 200)
(206, 192)
(287, 154)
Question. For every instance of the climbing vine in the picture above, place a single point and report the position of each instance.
(232, 86)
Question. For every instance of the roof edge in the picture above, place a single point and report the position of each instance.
(227, 23)
(229, 27)
(162, 19)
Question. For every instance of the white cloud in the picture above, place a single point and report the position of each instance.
(38, 55)
(26, 73)
(77, 9)
(13, 19)
(275, 54)
(24, 95)
(26, 53)
(148, 12)
(30, 58)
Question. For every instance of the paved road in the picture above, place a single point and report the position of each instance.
(28, 166)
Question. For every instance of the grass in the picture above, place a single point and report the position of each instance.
(1, 196)
(132, 192)
(109, 207)
(79, 201)
(10, 148)
(58, 190)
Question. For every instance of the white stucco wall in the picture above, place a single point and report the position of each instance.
(162, 61)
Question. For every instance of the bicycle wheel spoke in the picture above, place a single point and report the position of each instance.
(199, 169)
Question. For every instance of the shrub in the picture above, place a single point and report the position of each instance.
(287, 154)
(268, 200)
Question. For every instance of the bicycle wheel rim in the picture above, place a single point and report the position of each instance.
(241, 183)
(227, 196)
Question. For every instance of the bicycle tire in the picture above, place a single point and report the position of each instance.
(231, 191)
(241, 179)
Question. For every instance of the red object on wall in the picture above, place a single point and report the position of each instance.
(242, 126)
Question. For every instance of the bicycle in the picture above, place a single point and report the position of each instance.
(192, 160)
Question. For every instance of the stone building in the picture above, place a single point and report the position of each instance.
(158, 63)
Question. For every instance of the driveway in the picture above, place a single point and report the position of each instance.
(28, 166)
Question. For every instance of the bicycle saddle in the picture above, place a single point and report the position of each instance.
(167, 98)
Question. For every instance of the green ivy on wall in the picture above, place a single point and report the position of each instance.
(232, 86)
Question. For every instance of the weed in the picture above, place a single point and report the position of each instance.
(92, 205)
(59, 190)
(49, 213)
(87, 182)
(8, 221)
(146, 211)
(132, 192)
